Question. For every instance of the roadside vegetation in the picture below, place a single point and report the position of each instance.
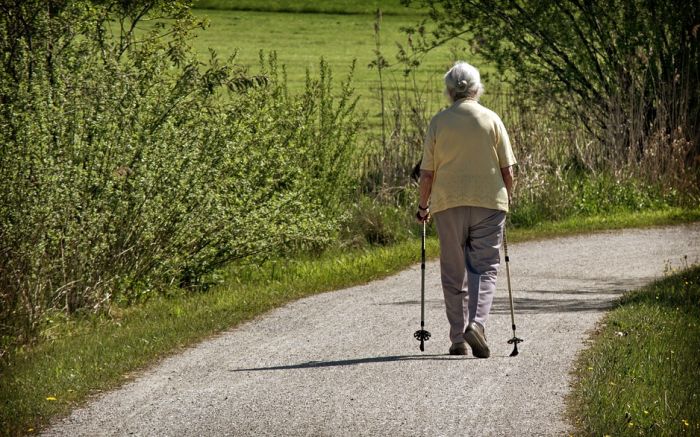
(150, 188)
(129, 168)
(641, 372)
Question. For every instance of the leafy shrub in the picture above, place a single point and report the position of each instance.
(128, 167)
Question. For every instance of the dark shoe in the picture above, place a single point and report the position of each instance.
(458, 348)
(475, 336)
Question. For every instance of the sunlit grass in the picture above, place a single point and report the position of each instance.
(641, 374)
(301, 40)
(613, 220)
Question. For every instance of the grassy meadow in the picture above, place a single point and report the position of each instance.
(301, 40)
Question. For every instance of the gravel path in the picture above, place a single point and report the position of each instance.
(346, 364)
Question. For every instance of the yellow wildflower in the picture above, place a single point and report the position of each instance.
(51, 398)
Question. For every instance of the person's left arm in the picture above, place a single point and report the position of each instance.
(427, 173)
(425, 187)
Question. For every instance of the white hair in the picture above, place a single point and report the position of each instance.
(463, 80)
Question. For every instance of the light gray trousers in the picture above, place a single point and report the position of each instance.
(470, 240)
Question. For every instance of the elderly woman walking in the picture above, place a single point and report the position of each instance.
(466, 175)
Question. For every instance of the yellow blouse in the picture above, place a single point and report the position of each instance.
(466, 146)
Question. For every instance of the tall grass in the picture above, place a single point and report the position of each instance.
(563, 170)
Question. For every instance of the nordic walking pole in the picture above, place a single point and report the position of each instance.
(422, 335)
(515, 340)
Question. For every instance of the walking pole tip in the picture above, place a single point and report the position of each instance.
(514, 341)
(422, 335)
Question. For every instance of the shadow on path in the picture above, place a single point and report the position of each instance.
(552, 301)
(501, 305)
(355, 361)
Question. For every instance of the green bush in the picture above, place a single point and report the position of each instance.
(127, 167)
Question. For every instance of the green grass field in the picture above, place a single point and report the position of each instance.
(301, 40)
